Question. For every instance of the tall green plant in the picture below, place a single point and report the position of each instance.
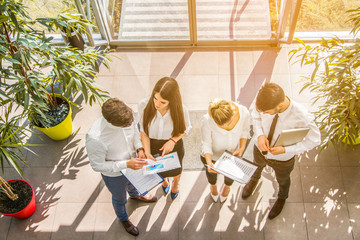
(32, 64)
(335, 81)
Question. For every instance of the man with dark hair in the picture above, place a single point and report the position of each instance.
(112, 144)
(276, 112)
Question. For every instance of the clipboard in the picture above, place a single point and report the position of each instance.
(143, 183)
(291, 136)
(234, 167)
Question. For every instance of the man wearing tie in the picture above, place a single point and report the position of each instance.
(276, 112)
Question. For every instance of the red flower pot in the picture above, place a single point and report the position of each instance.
(29, 209)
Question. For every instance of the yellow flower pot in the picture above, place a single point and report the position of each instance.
(61, 131)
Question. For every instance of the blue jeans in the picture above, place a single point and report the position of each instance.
(118, 186)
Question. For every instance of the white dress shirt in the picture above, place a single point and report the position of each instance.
(109, 147)
(216, 140)
(161, 127)
(295, 116)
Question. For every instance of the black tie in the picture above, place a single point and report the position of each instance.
(271, 132)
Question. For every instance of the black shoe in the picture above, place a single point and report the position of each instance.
(130, 227)
(277, 208)
(248, 189)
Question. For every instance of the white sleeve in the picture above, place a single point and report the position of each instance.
(246, 118)
(206, 140)
(137, 139)
(187, 120)
(96, 151)
(257, 128)
(141, 107)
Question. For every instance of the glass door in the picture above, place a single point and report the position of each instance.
(144, 23)
(140, 21)
(226, 20)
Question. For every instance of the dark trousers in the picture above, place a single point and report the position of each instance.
(118, 186)
(155, 146)
(282, 171)
(212, 177)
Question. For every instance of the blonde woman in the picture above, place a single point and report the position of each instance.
(164, 121)
(225, 127)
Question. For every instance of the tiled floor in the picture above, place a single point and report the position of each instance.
(73, 203)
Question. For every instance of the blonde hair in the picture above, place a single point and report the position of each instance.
(220, 110)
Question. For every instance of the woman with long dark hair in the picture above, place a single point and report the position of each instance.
(164, 121)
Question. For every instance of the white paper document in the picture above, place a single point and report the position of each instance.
(162, 164)
(234, 167)
(142, 182)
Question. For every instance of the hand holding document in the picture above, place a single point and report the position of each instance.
(162, 164)
(234, 167)
(143, 183)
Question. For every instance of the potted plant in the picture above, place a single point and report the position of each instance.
(34, 69)
(17, 197)
(335, 81)
(72, 26)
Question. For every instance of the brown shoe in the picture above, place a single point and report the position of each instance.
(130, 227)
(248, 189)
(146, 198)
(276, 209)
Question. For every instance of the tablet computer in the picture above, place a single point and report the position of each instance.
(291, 136)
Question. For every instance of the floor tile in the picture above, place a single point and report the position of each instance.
(192, 143)
(270, 61)
(235, 62)
(290, 224)
(107, 226)
(199, 219)
(351, 176)
(133, 63)
(85, 117)
(4, 226)
(245, 89)
(327, 158)
(45, 182)
(327, 221)
(194, 186)
(350, 156)
(354, 212)
(241, 220)
(166, 63)
(115, 61)
(225, 83)
(74, 221)
(202, 63)
(38, 226)
(322, 185)
(199, 100)
(106, 83)
(47, 156)
(79, 185)
(158, 220)
(142, 84)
